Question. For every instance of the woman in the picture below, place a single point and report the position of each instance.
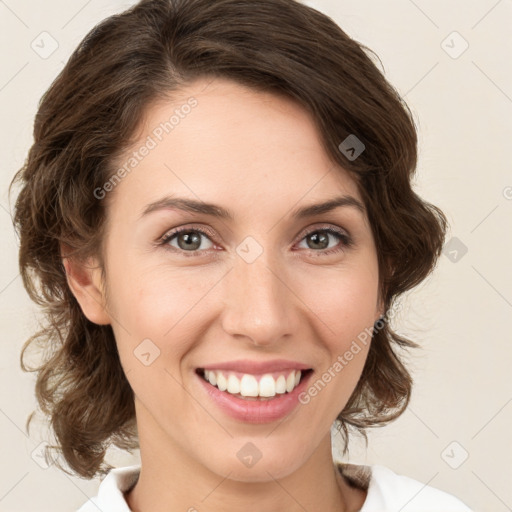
(217, 216)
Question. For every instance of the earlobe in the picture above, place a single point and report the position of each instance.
(86, 283)
(380, 309)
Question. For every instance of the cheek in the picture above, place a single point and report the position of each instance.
(346, 305)
(344, 299)
(162, 304)
(151, 313)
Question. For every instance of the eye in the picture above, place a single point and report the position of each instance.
(318, 240)
(188, 240)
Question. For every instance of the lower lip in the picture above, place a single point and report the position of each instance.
(256, 411)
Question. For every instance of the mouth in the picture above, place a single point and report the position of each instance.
(254, 387)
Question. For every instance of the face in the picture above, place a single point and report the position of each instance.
(261, 290)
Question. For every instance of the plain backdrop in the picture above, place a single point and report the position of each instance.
(450, 59)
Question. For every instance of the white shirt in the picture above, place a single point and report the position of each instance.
(386, 492)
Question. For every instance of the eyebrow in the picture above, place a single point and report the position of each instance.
(194, 206)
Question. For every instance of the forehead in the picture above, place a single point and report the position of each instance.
(217, 138)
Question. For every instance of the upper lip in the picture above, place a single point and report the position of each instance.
(256, 367)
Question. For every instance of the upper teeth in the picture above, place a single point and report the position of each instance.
(248, 385)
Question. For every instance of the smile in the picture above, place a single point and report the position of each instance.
(254, 391)
(246, 385)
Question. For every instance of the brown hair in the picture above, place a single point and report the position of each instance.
(89, 116)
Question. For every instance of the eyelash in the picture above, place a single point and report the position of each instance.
(346, 240)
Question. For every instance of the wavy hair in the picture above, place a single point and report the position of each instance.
(89, 116)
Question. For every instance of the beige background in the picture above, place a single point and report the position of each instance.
(462, 403)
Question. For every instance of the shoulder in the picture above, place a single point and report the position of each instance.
(388, 491)
(110, 493)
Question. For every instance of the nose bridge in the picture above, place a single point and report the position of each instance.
(257, 301)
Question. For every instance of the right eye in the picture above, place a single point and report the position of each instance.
(188, 240)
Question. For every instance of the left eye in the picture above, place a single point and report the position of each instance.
(320, 238)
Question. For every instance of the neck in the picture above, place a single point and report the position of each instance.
(170, 479)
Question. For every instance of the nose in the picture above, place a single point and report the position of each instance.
(258, 302)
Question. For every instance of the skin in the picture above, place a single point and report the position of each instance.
(260, 156)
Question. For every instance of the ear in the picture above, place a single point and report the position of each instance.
(379, 309)
(86, 283)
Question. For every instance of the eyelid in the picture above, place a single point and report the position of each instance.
(174, 231)
(321, 227)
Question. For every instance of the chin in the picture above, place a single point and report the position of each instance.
(253, 465)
